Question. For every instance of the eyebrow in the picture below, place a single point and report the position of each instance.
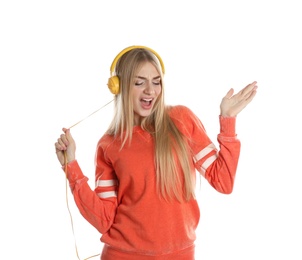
(140, 77)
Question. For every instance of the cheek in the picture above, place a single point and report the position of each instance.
(158, 91)
(134, 93)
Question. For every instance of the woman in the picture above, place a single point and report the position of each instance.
(143, 203)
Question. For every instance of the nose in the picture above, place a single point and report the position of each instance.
(149, 89)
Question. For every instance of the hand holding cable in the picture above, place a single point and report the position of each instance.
(65, 147)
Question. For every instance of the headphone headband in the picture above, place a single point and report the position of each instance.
(112, 67)
(113, 82)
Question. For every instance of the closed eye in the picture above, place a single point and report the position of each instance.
(141, 80)
(139, 83)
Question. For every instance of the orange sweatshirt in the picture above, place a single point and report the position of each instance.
(135, 222)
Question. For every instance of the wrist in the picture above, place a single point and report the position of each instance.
(227, 125)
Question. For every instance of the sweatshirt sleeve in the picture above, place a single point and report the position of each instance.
(222, 171)
(96, 206)
(218, 166)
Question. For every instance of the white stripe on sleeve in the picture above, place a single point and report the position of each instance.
(105, 183)
(107, 194)
(205, 151)
(208, 162)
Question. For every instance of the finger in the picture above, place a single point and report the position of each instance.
(251, 92)
(249, 88)
(63, 140)
(60, 145)
(251, 95)
(69, 136)
(230, 93)
(58, 150)
(247, 99)
(247, 91)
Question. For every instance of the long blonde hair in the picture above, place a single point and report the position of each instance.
(172, 152)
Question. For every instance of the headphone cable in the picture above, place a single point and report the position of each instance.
(65, 170)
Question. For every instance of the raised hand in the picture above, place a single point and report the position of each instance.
(232, 104)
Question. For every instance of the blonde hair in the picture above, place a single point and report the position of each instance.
(171, 148)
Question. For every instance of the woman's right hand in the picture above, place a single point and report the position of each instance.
(66, 144)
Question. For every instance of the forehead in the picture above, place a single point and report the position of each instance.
(147, 69)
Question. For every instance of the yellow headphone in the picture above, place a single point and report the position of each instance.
(114, 82)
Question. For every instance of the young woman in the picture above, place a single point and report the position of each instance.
(143, 203)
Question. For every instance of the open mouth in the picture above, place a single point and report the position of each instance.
(147, 101)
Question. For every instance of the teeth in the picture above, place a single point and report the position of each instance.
(147, 99)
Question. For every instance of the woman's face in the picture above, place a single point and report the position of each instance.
(145, 90)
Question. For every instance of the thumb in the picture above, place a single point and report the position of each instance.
(65, 130)
(230, 93)
(67, 134)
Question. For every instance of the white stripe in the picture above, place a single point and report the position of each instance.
(202, 172)
(205, 151)
(208, 162)
(105, 183)
(107, 194)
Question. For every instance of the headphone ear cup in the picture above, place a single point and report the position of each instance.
(114, 85)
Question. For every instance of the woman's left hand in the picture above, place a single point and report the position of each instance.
(232, 104)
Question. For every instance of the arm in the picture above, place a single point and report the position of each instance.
(97, 211)
(221, 172)
(219, 166)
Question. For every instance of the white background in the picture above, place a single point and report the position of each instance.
(54, 65)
